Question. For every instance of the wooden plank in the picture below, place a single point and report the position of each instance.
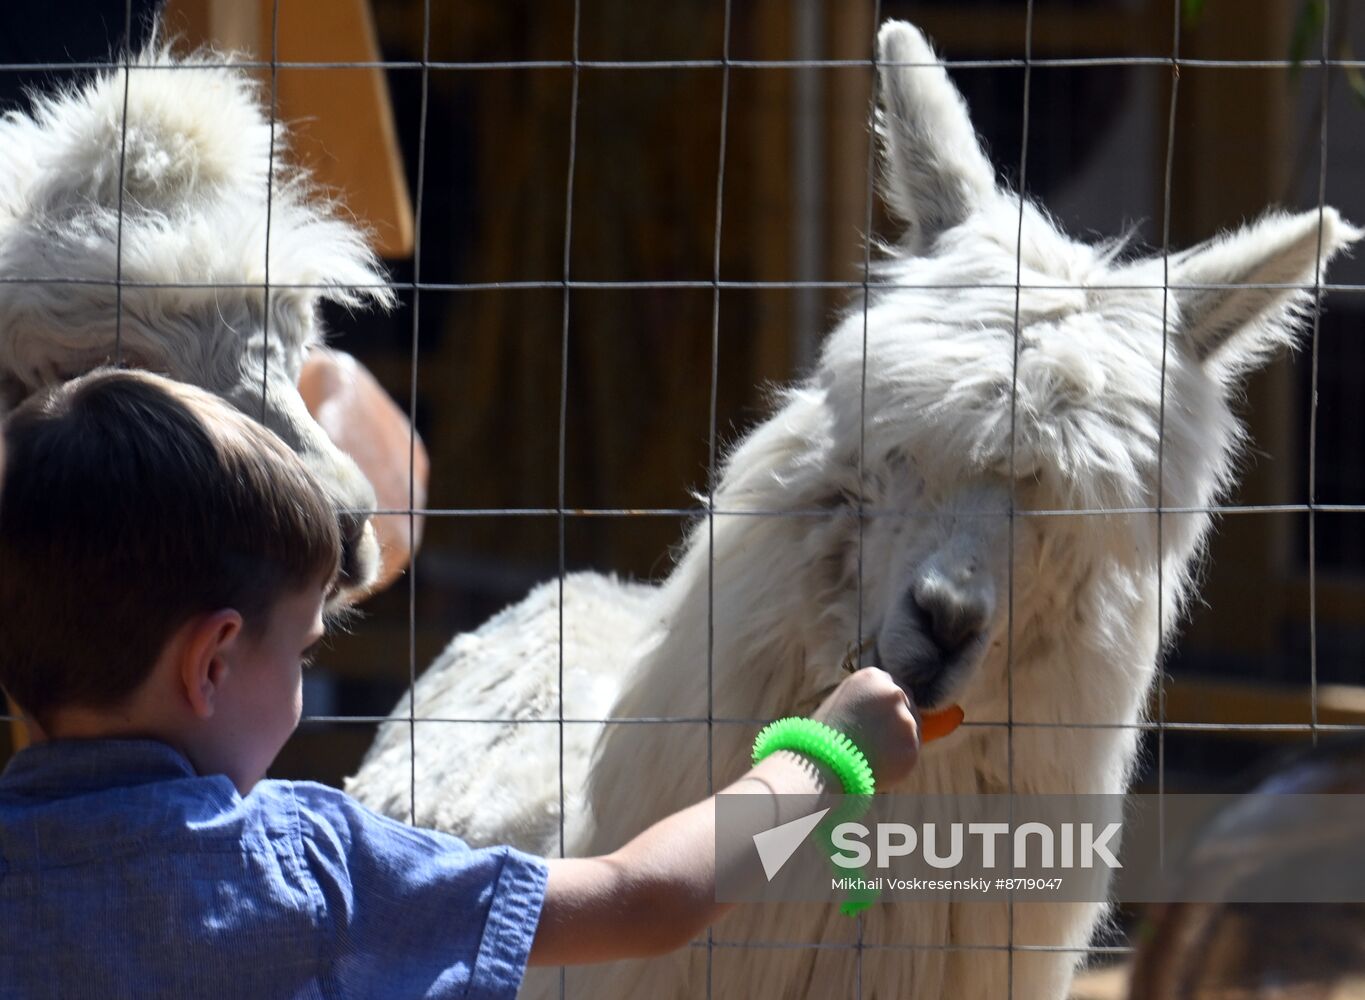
(846, 97)
(343, 118)
(1228, 702)
(340, 121)
(1108, 983)
(999, 30)
(1339, 600)
(769, 190)
(1231, 159)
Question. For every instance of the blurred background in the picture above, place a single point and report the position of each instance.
(461, 168)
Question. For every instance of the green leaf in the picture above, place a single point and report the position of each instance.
(1193, 10)
(1307, 26)
(1357, 81)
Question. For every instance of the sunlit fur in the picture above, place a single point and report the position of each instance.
(931, 419)
(196, 166)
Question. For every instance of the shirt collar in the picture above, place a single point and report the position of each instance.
(61, 767)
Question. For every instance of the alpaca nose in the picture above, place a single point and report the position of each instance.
(353, 500)
(953, 618)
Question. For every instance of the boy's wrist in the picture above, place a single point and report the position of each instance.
(793, 773)
(823, 744)
(794, 784)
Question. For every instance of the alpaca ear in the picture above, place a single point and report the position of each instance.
(1236, 329)
(934, 173)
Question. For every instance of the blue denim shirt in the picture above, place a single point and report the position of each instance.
(125, 874)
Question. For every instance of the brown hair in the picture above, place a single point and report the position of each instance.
(131, 503)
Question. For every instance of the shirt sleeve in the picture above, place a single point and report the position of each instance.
(417, 913)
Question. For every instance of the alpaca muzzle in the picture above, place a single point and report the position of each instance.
(359, 551)
(934, 643)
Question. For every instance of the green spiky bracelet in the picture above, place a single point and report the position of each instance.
(822, 743)
(841, 755)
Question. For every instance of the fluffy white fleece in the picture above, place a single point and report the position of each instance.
(201, 186)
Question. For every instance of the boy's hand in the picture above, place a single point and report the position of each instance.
(871, 710)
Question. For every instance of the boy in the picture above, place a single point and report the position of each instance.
(164, 566)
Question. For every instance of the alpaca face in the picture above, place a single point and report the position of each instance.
(1001, 365)
(196, 159)
(938, 580)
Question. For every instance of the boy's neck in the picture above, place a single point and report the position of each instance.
(130, 721)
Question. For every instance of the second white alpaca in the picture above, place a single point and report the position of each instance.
(142, 240)
(903, 487)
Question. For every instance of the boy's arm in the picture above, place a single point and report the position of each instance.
(656, 893)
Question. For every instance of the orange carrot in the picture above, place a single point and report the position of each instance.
(936, 725)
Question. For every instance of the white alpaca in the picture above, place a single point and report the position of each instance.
(196, 165)
(959, 427)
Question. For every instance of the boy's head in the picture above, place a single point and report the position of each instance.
(144, 521)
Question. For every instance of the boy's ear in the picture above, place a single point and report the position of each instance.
(203, 659)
